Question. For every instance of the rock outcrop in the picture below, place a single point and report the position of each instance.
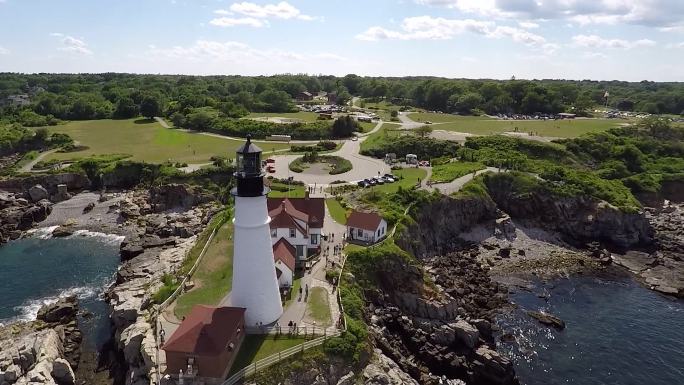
(72, 181)
(42, 352)
(580, 219)
(17, 214)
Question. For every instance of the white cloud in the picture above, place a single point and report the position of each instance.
(237, 52)
(528, 25)
(594, 41)
(675, 45)
(231, 22)
(3, 50)
(652, 13)
(71, 44)
(430, 28)
(252, 12)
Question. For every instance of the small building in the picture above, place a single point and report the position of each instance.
(366, 228)
(300, 222)
(206, 342)
(284, 255)
(18, 100)
(390, 158)
(304, 96)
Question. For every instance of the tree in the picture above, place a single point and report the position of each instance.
(423, 131)
(344, 127)
(394, 113)
(126, 108)
(276, 101)
(150, 106)
(467, 103)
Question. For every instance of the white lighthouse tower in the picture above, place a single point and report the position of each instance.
(255, 285)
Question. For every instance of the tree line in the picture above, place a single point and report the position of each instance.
(113, 95)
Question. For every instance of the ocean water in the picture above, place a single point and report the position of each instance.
(38, 270)
(617, 332)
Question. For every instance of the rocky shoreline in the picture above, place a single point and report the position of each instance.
(158, 227)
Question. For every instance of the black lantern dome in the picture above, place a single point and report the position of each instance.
(248, 172)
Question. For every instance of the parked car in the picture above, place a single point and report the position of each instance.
(389, 179)
(363, 183)
(270, 160)
(379, 180)
(391, 176)
(371, 182)
(354, 138)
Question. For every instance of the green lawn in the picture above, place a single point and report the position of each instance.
(366, 126)
(387, 129)
(445, 173)
(294, 293)
(280, 190)
(148, 141)
(301, 115)
(256, 347)
(483, 125)
(213, 277)
(338, 213)
(408, 178)
(318, 307)
(352, 247)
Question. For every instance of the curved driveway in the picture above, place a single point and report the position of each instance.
(362, 166)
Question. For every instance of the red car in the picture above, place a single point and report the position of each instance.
(270, 160)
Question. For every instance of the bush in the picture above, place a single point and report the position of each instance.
(170, 284)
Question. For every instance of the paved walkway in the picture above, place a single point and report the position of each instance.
(458, 183)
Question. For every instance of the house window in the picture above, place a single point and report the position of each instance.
(300, 251)
(378, 232)
(359, 232)
(314, 239)
(293, 233)
(274, 233)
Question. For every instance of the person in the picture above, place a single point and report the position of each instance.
(289, 326)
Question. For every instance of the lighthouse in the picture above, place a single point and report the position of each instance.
(255, 285)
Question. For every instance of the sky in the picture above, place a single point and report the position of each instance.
(629, 40)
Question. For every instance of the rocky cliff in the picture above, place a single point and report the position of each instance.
(18, 214)
(438, 224)
(73, 181)
(580, 219)
(42, 352)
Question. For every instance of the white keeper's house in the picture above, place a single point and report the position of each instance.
(297, 225)
(367, 228)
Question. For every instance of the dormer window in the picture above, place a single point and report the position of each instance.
(293, 233)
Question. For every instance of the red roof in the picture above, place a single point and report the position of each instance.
(366, 221)
(313, 208)
(285, 252)
(206, 330)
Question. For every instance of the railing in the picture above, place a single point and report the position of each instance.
(264, 363)
(179, 290)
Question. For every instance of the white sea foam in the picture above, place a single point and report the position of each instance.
(29, 309)
(109, 239)
(42, 232)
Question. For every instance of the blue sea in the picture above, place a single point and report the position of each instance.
(617, 332)
(38, 270)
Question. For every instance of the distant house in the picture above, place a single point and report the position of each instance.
(299, 221)
(304, 96)
(206, 342)
(366, 227)
(284, 255)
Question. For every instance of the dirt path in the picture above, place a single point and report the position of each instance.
(28, 167)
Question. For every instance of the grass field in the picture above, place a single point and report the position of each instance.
(318, 307)
(301, 115)
(385, 130)
(337, 212)
(482, 125)
(213, 277)
(292, 191)
(256, 347)
(445, 173)
(409, 178)
(367, 126)
(146, 140)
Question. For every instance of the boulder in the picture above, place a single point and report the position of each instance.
(38, 193)
(131, 340)
(62, 231)
(547, 319)
(466, 333)
(63, 310)
(492, 368)
(62, 372)
(347, 379)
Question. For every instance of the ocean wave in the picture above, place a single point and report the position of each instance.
(28, 311)
(42, 232)
(109, 239)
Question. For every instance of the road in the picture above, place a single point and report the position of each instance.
(362, 166)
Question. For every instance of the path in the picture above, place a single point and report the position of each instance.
(28, 167)
(458, 183)
(162, 122)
